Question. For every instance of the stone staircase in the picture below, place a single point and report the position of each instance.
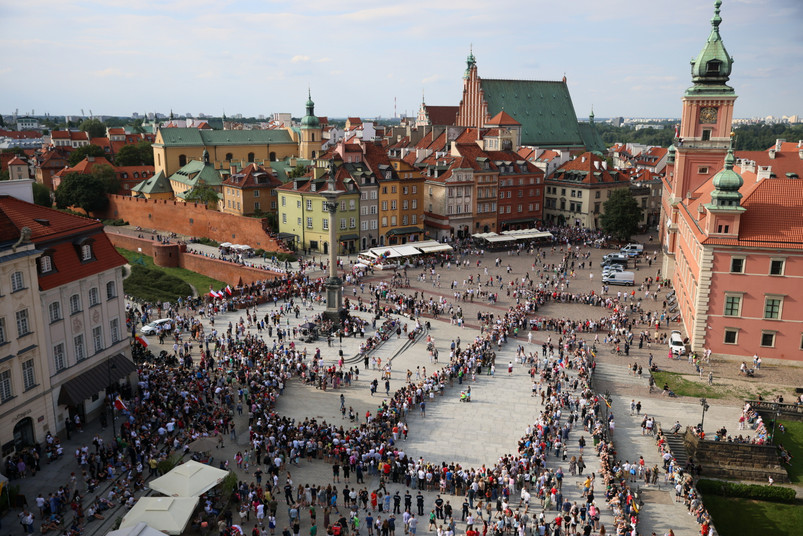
(618, 375)
(677, 448)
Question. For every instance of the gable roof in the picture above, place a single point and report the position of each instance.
(586, 168)
(193, 137)
(196, 172)
(503, 119)
(253, 176)
(158, 184)
(441, 115)
(544, 109)
(591, 137)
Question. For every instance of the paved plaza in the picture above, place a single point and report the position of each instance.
(471, 434)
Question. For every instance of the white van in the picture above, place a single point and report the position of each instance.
(632, 250)
(676, 343)
(153, 327)
(619, 278)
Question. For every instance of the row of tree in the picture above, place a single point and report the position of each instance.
(746, 137)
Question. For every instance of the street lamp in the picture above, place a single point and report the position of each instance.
(109, 368)
(705, 406)
(774, 423)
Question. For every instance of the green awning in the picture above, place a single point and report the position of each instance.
(404, 230)
(351, 236)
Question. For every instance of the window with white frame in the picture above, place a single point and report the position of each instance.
(414, 219)
(111, 290)
(325, 223)
(284, 217)
(94, 296)
(773, 306)
(45, 264)
(97, 338)
(364, 225)
(352, 223)
(80, 350)
(342, 223)
(374, 224)
(75, 304)
(415, 204)
(59, 359)
(54, 310)
(5, 386)
(114, 330)
(28, 375)
(23, 325)
(309, 204)
(17, 282)
(86, 252)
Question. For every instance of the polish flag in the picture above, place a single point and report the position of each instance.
(228, 290)
(142, 340)
(119, 404)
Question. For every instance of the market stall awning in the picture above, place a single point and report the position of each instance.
(495, 239)
(166, 514)
(96, 379)
(189, 479)
(350, 236)
(435, 248)
(407, 250)
(286, 236)
(140, 529)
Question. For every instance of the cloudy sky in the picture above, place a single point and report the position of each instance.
(623, 57)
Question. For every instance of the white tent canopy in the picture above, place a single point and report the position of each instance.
(435, 248)
(189, 479)
(166, 514)
(140, 529)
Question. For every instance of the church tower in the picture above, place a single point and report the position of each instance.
(703, 139)
(311, 132)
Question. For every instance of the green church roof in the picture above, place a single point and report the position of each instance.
(727, 183)
(193, 137)
(197, 172)
(158, 184)
(544, 109)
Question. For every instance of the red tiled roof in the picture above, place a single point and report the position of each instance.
(585, 163)
(17, 161)
(442, 115)
(503, 119)
(247, 178)
(116, 131)
(783, 163)
(20, 134)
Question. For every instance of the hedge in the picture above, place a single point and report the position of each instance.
(747, 491)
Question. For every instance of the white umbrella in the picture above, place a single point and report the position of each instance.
(166, 514)
(189, 479)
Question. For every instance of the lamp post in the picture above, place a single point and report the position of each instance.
(109, 368)
(774, 423)
(705, 406)
(334, 285)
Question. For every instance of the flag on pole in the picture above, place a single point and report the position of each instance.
(228, 290)
(142, 340)
(119, 404)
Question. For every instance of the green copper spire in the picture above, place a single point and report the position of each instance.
(711, 69)
(471, 61)
(726, 185)
(309, 120)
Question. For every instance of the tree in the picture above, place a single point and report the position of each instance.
(15, 150)
(137, 127)
(297, 171)
(203, 193)
(94, 127)
(139, 154)
(41, 195)
(87, 191)
(621, 215)
(82, 152)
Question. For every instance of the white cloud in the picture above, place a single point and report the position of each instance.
(299, 58)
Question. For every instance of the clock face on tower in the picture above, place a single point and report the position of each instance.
(708, 115)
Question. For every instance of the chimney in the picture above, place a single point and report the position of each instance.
(800, 154)
(772, 153)
(583, 159)
(596, 164)
(800, 144)
(779, 143)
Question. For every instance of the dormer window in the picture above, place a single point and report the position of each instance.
(86, 252)
(713, 67)
(45, 264)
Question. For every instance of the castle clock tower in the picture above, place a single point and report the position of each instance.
(703, 139)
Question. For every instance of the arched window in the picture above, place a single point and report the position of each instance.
(229, 156)
(312, 136)
(272, 157)
(182, 160)
(159, 159)
(250, 157)
(313, 154)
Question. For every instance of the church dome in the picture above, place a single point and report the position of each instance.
(727, 184)
(310, 120)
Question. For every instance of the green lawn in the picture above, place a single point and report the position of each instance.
(683, 387)
(737, 517)
(200, 282)
(792, 441)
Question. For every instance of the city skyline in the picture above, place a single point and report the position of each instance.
(253, 58)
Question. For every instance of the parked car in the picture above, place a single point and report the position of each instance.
(632, 250)
(619, 278)
(154, 327)
(676, 344)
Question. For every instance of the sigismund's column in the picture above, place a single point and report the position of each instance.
(334, 285)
